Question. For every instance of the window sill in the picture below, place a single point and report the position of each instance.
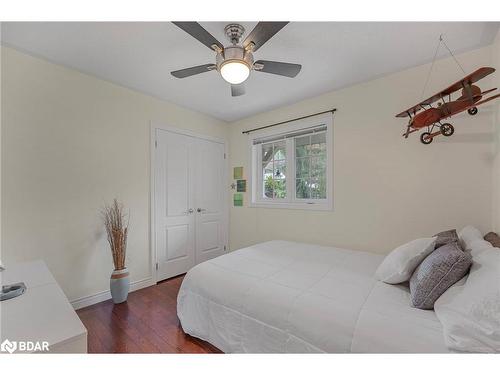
(293, 206)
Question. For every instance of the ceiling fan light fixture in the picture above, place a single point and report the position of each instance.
(234, 71)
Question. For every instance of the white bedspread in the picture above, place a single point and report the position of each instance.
(283, 296)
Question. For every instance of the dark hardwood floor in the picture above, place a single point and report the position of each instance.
(146, 323)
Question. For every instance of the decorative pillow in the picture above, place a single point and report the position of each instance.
(399, 265)
(440, 270)
(446, 237)
(493, 239)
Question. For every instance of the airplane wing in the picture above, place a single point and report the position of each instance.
(467, 80)
(409, 111)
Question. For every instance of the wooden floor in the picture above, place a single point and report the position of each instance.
(146, 323)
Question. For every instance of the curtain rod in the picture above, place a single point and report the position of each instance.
(284, 122)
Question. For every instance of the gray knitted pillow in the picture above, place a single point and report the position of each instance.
(445, 237)
(441, 269)
(493, 239)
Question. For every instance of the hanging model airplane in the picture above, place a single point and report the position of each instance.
(431, 117)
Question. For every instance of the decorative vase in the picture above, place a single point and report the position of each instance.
(119, 285)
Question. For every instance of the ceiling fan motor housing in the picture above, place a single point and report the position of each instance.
(232, 54)
(234, 32)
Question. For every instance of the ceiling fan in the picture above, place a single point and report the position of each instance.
(235, 61)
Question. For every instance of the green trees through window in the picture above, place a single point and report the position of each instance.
(310, 167)
(274, 169)
(310, 163)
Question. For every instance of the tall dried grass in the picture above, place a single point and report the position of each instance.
(114, 222)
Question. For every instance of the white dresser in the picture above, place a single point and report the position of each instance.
(41, 314)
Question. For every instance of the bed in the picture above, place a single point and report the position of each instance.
(281, 296)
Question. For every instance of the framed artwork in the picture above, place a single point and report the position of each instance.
(238, 173)
(238, 200)
(241, 186)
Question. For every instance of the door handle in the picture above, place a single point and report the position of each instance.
(190, 211)
(200, 209)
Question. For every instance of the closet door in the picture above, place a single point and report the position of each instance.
(174, 206)
(209, 196)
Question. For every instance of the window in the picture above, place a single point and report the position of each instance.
(291, 165)
(274, 170)
(310, 166)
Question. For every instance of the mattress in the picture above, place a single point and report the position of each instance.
(288, 297)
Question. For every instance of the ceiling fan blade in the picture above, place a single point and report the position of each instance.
(237, 90)
(198, 32)
(276, 67)
(262, 33)
(183, 73)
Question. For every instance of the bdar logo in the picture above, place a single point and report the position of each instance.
(8, 346)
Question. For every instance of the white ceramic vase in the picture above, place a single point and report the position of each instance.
(119, 285)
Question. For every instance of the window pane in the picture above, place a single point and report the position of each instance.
(268, 169)
(267, 153)
(302, 168)
(302, 189)
(268, 187)
(310, 166)
(318, 144)
(279, 189)
(279, 151)
(302, 146)
(318, 166)
(274, 170)
(318, 188)
(279, 169)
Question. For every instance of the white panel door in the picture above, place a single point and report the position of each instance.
(189, 199)
(210, 200)
(174, 214)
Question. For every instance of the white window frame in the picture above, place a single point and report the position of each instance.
(290, 202)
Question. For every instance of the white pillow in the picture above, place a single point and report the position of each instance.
(479, 246)
(399, 265)
(471, 240)
(468, 235)
(470, 312)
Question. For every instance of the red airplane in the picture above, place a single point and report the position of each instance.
(431, 117)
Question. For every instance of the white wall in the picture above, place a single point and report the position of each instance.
(70, 143)
(387, 190)
(1, 50)
(495, 56)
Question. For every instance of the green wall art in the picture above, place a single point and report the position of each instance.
(238, 173)
(241, 186)
(238, 199)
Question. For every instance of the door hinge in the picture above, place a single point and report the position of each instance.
(224, 247)
(224, 155)
(156, 143)
(156, 265)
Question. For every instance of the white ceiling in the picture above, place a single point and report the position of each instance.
(140, 56)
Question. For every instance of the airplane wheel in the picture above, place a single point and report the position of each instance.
(472, 111)
(447, 129)
(425, 138)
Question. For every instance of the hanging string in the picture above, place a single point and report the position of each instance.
(441, 40)
(452, 55)
(432, 65)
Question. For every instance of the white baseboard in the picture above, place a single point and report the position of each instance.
(105, 295)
